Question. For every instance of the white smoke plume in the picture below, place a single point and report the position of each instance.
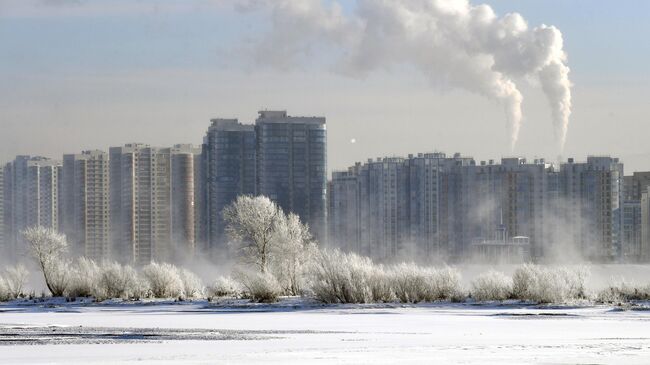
(453, 43)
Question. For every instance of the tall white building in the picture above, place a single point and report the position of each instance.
(154, 202)
(592, 192)
(185, 194)
(31, 197)
(141, 214)
(644, 244)
(85, 203)
(343, 198)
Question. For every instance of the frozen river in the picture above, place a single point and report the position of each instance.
(201, 333)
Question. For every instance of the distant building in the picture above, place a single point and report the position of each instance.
(592, 192)
(500, 249)
(433, 206)
(644, 246)
(632, 245)
(229, 168)
(31, 197)
(292, 165)
(85, 203)
(631, 231)
(515, 193)
(343, 197)
(185, 170)
(141, 214)
(383, 208)
(636, 184)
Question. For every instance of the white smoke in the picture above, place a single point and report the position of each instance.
(454, 43)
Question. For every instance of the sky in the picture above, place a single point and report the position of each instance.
(89, 74)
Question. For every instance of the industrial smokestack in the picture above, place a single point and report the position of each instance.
(453, 43)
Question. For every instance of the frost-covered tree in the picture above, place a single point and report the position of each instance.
(250, 223)
(48, 248)
(292, 248)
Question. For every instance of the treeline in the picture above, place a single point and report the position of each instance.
(279, 258)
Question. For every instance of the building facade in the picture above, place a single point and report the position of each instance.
(592, 192)
(343, 198)
(292, 165)
(31, 197)
(141, 214)
(86, 203)
(229, 170)
(184, 197)
(436, 207)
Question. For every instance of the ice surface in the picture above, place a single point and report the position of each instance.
(295, 331)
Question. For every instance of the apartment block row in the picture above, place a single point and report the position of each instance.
(137, 203)
(438, 206)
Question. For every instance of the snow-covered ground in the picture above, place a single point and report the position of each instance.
(298, 332)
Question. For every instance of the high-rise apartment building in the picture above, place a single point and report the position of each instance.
(292, 165)
(636, 184)
(592, 193)
(85, 203)
(632, 245)
(344, 199)
(141, 214)
(184, 197)
(229, 170)
(433, 206)
(644, 245)
(516, 194)
(383, 207)
(31, 197)
(631, 231)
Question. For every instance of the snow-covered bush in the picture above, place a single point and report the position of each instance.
(117, 281)
(84, 279)
(13, 280)
(623, 292)
(491, 285)
(411, 283)
(164, 280)
(192, 285)
(48, 248)
(59, 277)
(4, 291)
(139, 288)
(547, 284)
(380, 283)
(224, 287)
(446, 285)
(259, 287)
(338, 277)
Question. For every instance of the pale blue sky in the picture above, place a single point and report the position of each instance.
(89, 74)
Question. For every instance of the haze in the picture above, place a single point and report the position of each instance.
(78, 75)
